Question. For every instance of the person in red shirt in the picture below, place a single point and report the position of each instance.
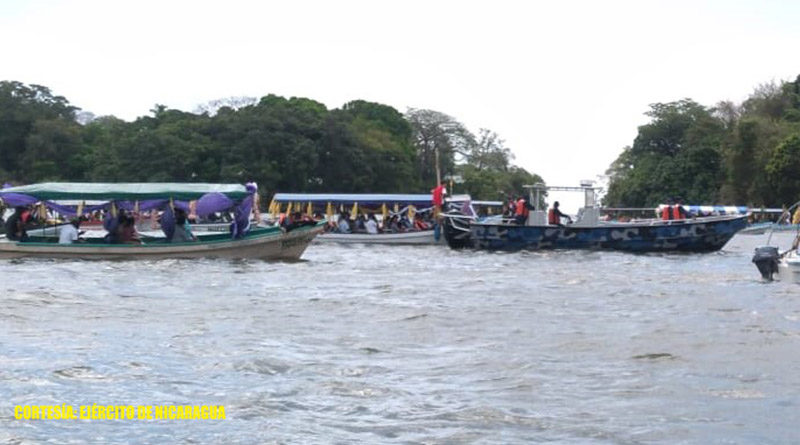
(438, 196)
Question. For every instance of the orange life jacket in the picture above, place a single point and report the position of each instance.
(521, 209)
(552, 218)
(665, 213)
(676, 212)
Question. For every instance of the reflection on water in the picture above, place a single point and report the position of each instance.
(408, 344)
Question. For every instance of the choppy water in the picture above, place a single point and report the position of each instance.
(377, 344)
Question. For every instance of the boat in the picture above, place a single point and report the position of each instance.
(770, 261)
(697, 234)
(383, 205)
(762, 228)
(241, 241)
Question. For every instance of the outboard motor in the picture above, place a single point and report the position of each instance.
(766, 259)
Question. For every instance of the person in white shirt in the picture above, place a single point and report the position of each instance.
(69, 233)
(371, 225)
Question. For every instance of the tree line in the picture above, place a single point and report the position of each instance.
(744, 154)
(289, 145)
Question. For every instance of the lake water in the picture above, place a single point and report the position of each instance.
(371, 344)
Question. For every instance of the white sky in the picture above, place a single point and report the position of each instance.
(565, 83)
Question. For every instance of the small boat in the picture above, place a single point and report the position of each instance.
(703, 234)
(762, 228)
(770, 261)
(240, 242)
(382, 205)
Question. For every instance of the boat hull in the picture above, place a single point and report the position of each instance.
(265, 244)
(698, 235)
(407, 238)
(789, 268)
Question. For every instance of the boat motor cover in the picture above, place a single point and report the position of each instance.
(766, 259)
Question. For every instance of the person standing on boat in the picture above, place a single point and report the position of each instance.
(521, 211)
(554, 216)
(439, 193)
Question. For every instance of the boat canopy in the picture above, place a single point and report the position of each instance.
(352, 198)
(125, 191)
(719, 210)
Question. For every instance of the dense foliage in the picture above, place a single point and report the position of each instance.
(745, 154)
(294, 144)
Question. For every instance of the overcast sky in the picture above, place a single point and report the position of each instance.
(565, 83)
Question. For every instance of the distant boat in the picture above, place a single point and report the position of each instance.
(703, 234)
(383, 205)
(240, 242)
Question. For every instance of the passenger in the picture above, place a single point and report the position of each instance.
(666, 212)
(359, 226)
(343, 226)
(678, 212)
(15, 225)
(554, 216)
(371, 226)
(127, 230)
(69, 233)
(522, 210)
(419, 223)
(393, 226)
(183, 231)
(406, 223)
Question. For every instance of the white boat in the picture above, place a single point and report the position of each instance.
(419, 237)
(789, 267)
(770, 261)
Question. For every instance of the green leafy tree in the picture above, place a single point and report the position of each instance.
(783, 170)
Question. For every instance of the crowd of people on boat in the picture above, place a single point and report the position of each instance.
(369, 224)
(120, 229)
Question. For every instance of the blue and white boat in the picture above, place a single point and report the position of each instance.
(700, 234)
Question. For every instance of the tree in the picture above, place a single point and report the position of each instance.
(435, 135)
(676, 155)
(783, 171)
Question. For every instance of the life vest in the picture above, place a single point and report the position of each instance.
(676, 212)
(665, 213)
(552, 218)
(521, 209)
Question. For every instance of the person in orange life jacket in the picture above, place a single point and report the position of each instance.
(675, 211)
(666, 213)
(510, 207)
(678, 212)
(554, 216)
(521, 210)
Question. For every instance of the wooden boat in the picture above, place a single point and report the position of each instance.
(588, 232)
(261, 243)
(258, 243)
